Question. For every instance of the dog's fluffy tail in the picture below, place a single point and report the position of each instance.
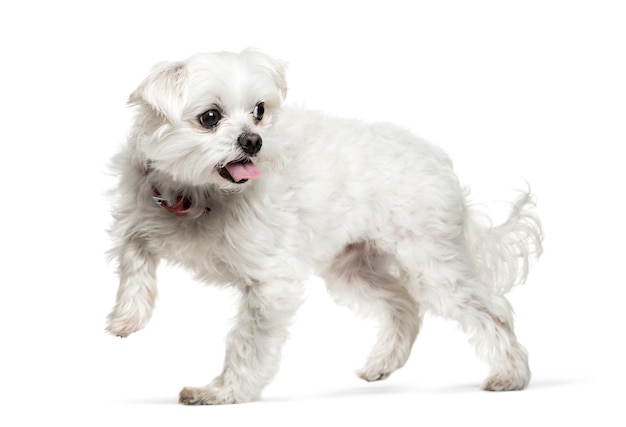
(503, 254)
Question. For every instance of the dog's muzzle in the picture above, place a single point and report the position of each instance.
(240, 171)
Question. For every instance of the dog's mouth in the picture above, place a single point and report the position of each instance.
(239, 171)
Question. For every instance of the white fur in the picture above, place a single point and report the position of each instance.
(377, 212)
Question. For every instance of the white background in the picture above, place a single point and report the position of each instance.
(532, 90)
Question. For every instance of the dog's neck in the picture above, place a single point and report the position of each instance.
(181, 204)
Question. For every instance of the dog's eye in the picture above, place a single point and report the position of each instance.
(210, 118)
(258, 112)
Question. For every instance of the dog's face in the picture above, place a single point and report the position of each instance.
(202, 120)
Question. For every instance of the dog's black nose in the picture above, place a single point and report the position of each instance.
(250, 142)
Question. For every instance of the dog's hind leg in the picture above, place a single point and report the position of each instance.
(372, 283)
(488, 319)
(451, 288)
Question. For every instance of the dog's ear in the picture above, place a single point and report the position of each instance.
(275, 68)
(164, 90)
(279, 73)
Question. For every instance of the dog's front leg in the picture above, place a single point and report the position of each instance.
(137, 290)
(253, 346)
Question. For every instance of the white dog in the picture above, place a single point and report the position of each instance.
(219, 177)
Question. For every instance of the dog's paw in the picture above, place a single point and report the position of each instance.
(205, 396)
(374, 375)
(506, 382)
(122, 324)
(375, 371)
(382, 366)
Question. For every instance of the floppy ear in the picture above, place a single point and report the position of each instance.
(164, 90)
(278, 70)
(275, 68)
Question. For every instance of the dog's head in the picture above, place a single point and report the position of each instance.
(202, 120)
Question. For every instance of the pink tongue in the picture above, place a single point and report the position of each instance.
(243, 170)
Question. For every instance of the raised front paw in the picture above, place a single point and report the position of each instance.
(122, 323)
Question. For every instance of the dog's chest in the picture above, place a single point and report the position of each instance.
(225, 246)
